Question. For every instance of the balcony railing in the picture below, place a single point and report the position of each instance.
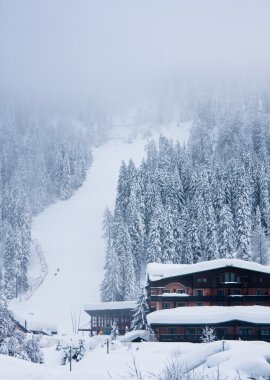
(229, 298)
(195, 338)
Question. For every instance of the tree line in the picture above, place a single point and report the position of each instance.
(203, 200)
(42, 160)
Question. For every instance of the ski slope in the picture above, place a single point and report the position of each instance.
(70, 235)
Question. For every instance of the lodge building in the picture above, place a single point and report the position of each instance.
(103, 315)
(233, 288)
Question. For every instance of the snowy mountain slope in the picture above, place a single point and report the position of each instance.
(70, 234)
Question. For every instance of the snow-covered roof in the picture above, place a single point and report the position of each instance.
(33, 321)
(157, 271)
(210, 315)
(111, 305)
(131, 335)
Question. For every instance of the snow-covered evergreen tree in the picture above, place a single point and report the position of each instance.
(38, 165)
(198, 201)
(139, 321)
(259, 244)
(226, 233)
(243, 216)
(110, 289)
(123, 249)
(114, 332)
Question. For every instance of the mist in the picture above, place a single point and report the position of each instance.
(123, 51)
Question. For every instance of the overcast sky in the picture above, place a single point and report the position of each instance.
(82, 47)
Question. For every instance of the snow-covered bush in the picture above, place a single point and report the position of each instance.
(80, 351)
(14, 342)
(33, 350)
(7, 324)
(65, 355)
(208, 335)
(73, 353)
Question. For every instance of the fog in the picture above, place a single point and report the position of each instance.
(122, 51)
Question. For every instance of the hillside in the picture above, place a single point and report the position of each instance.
(70, 235)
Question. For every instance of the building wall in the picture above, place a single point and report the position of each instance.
(193, 333)
(244, 287)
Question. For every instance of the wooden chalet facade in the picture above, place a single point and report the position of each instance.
(230, 322)
(104, 315)
(215, 283)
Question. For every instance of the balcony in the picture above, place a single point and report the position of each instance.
(229, 284)
(227, 299)
(196, 338)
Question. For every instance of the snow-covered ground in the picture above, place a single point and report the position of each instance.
(238, 360)
(70, 236)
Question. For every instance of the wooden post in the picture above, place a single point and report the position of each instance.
(70, 358)
(108, 345)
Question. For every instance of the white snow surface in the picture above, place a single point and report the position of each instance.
(34, 321)
(134, 334)
(157, 271)
(210, 315)
(111, 305)
(70, 236)
(175, 295)
(239, 359)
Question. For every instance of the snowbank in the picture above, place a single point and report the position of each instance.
(239, 360)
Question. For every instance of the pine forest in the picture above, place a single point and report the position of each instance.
(201, 201)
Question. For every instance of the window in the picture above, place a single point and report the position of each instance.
(199, 292)
(194, 331)
(190, 331)
(181, 291)
(221, 332)
(180, 304)
(217, 279)
(166, 291)
(201, 279)
(199, 304)
(259, 292)
(236, 292)
(245, 331)
(265, 331)
(94, 321)
(166, 305)
(221, 293)
(172, 330)
(230, 277)
(257, 280)
(153, 292)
